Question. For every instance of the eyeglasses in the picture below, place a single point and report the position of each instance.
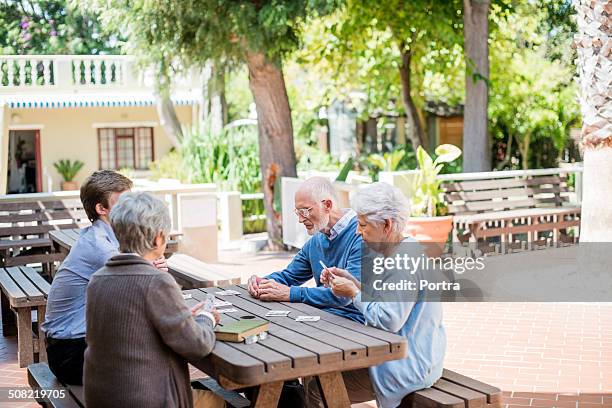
(304, 212)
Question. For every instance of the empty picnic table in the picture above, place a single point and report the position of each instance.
(322, 349)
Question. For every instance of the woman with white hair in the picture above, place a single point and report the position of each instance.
(382, 212)
(140, 332)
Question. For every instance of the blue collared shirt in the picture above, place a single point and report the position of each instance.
(65, 317)
(342, 223)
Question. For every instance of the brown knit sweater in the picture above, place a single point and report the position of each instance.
(140, 336)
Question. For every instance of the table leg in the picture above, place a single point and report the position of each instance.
(267, 395)
(9, 324)
(333, 390)
(42, 350)
(24, 337)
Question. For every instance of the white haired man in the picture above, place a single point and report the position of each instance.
(334, 242)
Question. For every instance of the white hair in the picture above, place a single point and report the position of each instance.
(319, 188)
(136, 219)
(381, 201)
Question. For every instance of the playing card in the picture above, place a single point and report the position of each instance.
(221, 303)
(278, 313)
(187, 296)
(230, 310)
(307, 318)
(227, 293)
(209, 302)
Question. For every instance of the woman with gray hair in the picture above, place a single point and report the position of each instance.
(140, 332)
(382, 212)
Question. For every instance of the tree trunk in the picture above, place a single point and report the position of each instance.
(593, 43)
(476, 149)
(524, 149)
(276, 152)
(167, 116)
(416, 134)
(213, 111)
(163, 103)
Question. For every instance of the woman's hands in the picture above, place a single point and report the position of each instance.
(341, 282)
(344, 287)
(197, 308)
(161, 263)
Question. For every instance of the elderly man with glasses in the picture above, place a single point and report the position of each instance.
(333, 242)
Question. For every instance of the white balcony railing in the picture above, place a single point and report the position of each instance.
(79, 72)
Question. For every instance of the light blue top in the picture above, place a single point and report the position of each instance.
(421, 323)
(65, 317)
(343, 251)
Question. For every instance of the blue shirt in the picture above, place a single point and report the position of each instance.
(344, 251)
(65, 317)
(421, 323)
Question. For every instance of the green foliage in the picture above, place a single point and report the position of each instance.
(402, 158)
(532, 96)
(67, 168)
(348, 166)
(312, 158)
(426, 197)
(199, 30)
(52, 27)
(170, 166)
(359, 48)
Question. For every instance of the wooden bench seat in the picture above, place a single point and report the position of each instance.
(192, 273)
(454, 390)
(22, 290)
(40, 376)
(535, 207)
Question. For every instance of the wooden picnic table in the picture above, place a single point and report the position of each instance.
(322, 349)
(64, 240)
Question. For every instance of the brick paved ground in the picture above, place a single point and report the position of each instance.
(539, 354)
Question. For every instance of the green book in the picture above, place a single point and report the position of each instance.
(237, 330)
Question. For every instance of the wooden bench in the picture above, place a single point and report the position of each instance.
(454, 390)
(24, 228)
(22, 290)
(40, 376)
(192, 273)
(506, 208)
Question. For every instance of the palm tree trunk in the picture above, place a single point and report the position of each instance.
(276, 151)
(593, 43)
(476, 150)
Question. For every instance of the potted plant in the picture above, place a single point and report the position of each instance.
(68, 169)
(429, 222)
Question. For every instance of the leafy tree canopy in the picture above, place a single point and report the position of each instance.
(52, 27)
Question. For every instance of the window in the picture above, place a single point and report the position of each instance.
(125, 148)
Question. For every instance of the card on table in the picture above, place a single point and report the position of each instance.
(278, 313)
(230, 310)
(227, 293)
(221, 303)
(187, 296)
(308, 318)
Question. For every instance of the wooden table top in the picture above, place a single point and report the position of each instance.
(293, 349)
(66, 238)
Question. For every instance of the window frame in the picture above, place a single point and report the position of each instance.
(135, 135)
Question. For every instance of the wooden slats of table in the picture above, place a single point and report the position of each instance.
(64, 240)
(192, 273)
(294, 349)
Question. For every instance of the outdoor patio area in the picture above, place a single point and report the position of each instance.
(539, 354)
